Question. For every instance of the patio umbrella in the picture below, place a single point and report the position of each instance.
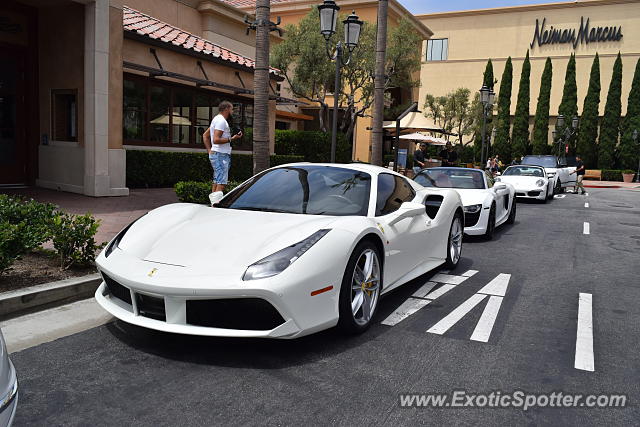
(177, 120)
(419, 137)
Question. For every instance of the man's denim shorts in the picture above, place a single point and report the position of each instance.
(220, 163)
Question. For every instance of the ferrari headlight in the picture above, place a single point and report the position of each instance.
(540, 182)
(472, 209)
(116, 240)
(277, 262)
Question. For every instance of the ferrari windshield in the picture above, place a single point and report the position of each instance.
(451, 178)
(544, 161)
(304, 189)
(524, 171)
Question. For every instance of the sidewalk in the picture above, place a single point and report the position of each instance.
(114, 212)
(609, 184)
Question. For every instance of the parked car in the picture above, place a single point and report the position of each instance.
(487, 204)
(557, 169)
(8, 386)
(529, 181)
(295, 249)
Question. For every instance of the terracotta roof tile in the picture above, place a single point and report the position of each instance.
(140, 23)
(243, 4)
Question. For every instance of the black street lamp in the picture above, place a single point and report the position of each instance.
(487, 97)
(566, 132)
(352, 26)
(634, 136)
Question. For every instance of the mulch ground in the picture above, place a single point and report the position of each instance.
(36, 268)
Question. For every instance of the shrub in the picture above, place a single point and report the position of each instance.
(153, 169)
(614, 174)
(197, 191)
(11, 245)
(73, 239)
(33, 219)
(314, 146)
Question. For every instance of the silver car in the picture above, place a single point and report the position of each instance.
(8, 386)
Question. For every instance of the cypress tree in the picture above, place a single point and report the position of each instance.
(569, 105)
(610, 128)
(487, 78)
(588, 131)
(520, 133)
(628, 152)
(541, 121)
(502, 145)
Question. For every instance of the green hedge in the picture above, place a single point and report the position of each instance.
(614, 174)
(197, 191)
(313, 146)
(153, 169)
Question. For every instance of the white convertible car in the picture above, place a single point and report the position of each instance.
(530, 182)
(293, 250)
(487, 204)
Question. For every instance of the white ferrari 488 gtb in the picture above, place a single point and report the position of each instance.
(487, 204)
(293, 250)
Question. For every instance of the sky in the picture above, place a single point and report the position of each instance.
(430, 6)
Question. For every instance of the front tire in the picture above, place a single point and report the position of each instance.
(454, 244)
(491, 223)
(360, 289)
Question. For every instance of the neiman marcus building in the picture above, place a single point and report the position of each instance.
(456, 55)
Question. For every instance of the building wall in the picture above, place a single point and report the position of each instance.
(61, 66)
(475, 36)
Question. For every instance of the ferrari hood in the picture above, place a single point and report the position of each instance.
(221, 239)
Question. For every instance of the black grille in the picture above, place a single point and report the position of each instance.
(152, 307)
(116, 289)
(520, 194)
(534, 193)
(471, 219)
(253, 314)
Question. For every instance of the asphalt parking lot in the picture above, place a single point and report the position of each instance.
(506, 319)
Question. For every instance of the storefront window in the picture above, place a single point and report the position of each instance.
(165, 114)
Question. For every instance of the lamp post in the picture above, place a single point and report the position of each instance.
(487, 96)
(567, 132)
(352, 26)
(634, 136)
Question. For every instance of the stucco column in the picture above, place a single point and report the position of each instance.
(96, 99)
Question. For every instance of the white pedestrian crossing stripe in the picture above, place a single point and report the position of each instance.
(496, 289)
(425, 294)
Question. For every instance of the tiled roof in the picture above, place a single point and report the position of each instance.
(145, 25)
(242, 4)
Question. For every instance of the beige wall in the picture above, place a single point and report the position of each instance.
(170, 11)
(476, 36)
(61, 59)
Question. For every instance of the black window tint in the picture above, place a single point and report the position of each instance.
(393, 191)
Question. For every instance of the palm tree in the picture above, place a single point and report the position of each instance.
(379, 83)
(261, 89)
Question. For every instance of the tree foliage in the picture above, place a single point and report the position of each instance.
(569, 104)
(502, 143)
(541, 121)
(487, 77)
(588, 130)
(303, 59)
(520, 132)
(610, 127)
(452, 112)
(628, 152)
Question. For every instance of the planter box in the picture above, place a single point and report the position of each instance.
(628, 177)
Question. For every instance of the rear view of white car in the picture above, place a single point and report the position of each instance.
(8, 386)
(530, 182)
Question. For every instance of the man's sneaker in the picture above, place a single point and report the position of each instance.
(215, 197)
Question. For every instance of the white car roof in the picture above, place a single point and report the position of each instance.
(363, 167)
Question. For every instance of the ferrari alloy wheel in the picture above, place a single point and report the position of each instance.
(491, 223)
(454, 247)
(360, 289)
(512, 213)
